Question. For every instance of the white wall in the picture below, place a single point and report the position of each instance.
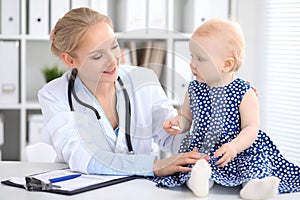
(248, 13)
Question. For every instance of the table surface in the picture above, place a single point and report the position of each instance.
(134, 189)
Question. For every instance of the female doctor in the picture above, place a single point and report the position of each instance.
(100, 117)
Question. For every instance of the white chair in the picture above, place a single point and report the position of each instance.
(39, 152)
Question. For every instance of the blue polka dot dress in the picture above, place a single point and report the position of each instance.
(216, 121)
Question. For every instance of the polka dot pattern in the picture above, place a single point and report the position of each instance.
(216, 121)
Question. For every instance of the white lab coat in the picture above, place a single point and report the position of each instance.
(78, 136)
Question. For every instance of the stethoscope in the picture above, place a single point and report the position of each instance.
(71, 91)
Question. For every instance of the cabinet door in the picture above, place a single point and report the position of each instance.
(131, 15)
(38, 17)
(57, 10)
(157, 15)
(198, 11)
(9, 72)
(182, 73)
(10, 17)
(80, 3)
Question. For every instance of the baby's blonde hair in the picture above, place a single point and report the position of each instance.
(67, 35)
(231, 34)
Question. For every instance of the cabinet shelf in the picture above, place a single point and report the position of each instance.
(36, 38)
(10, 106)
(32, 105)
(28, 105)
(153, 36)
(10, 37)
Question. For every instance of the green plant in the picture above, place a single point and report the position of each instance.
(51, 73)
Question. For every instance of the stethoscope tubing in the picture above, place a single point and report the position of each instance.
(71, 91)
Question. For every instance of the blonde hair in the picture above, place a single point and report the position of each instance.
(231, 34)
(67, 34)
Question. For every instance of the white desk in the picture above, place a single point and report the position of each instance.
(135, 189)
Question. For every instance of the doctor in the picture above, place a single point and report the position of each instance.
(100, 117)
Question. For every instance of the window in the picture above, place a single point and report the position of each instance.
(281, 109)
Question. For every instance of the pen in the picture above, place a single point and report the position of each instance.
(64, 178)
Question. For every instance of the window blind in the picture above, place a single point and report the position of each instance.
(281, 111)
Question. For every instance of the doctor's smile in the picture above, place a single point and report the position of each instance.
(110, 71)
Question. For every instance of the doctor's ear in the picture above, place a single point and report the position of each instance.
(228, 64)
(69, 60)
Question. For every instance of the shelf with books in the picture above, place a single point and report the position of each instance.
(146, 53)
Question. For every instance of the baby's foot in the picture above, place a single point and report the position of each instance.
(199, 180)
(264, 188)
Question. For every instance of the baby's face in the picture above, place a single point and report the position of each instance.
(207, 59)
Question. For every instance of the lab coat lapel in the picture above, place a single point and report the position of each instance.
(89, 99)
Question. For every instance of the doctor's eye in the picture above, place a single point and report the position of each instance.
(97, 57)
(115, 46)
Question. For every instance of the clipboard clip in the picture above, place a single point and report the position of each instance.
(34, 184)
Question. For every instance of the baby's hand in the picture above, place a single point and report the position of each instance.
(225, 154)
(172, 127)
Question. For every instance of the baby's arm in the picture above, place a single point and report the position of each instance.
(249, 114)
(182, 122)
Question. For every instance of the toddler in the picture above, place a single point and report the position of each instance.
(223, 111)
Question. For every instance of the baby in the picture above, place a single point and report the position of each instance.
(223, 111)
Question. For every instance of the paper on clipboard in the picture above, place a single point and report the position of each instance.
(76, 185)
(73, 184)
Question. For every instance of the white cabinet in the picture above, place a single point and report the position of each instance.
(35, 126)
(198, 11)
(38, 21)
(164, 27)
(10, 17)
(182, 74)
(9, 72)
(57, 9)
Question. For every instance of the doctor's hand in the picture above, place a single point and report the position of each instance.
(172, 127)
(177, 163)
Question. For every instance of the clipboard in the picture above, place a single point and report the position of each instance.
(72, 186)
